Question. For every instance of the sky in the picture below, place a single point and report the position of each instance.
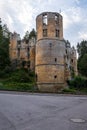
(20, 16)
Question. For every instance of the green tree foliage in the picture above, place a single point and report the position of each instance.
(82, 65)
(4, 46)
(82, 60)
(82, 48)
(30, 35)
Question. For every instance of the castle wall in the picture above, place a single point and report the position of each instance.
(20, 51)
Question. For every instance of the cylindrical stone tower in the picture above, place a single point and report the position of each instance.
(50, 50)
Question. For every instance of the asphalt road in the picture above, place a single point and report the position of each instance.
(42, 112)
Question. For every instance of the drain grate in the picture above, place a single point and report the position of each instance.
(77, 120)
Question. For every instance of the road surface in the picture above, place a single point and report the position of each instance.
(21, 111)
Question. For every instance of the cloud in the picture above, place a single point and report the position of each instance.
(83, 35)
(20, 15)
(71, 16)
(77, 1)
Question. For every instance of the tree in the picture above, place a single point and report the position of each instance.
(26, 35)
(1, 30)
(30, 35)
(82, 65)
(4, 48)
(82, 60)
(82, 48)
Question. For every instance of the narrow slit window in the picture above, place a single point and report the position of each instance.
(28, 52)
(44, 32)
(55, 59)
(66, 51)
(28, 64)
(45, 22)
(50, 44)
(72, 60)
(55, 76)
(57, 33)
(18, 52)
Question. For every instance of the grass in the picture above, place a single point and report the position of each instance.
(14, 86)
(19, 80)
(68, 90)
(22, 80)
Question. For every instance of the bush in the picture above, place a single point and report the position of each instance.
(2, 74)
(21, 76)
(1, 85)
(68, 90)
(18, 80)
(78, 82)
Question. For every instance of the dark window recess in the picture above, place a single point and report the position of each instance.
(28, 64)
(27, 41)
(72, 60)
(28, 49)
(66, 51)
(57, 33)
(28, 54)
(44, 32)
(18, 52)
(23, 63)
(19, 42)
(55, 59)
(50, 44)
(55, 76)
(45, 19)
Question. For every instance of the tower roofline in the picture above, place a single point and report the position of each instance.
(48, 13)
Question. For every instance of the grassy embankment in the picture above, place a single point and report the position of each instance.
(19, 80)
(24, 80)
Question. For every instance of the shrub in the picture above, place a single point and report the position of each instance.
(68, 90)
(21, 76)
(1, 85)
(78, 82)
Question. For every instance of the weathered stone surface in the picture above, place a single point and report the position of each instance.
(50, 53)
(51, 57)
(51, 26)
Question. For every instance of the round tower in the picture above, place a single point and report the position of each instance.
(50, 50)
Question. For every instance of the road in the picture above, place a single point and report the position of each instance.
(21, 111)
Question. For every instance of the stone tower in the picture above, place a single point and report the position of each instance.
(50, 51)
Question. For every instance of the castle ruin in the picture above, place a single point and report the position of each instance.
(50, 56)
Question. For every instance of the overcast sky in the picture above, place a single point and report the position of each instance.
(20, 16)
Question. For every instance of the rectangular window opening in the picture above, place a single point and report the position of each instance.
(18, 52)
(55, 59)
(72, 60)
(57, 33)
(45, 21)
(44, 32)
(56, 19)
(55, 76)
